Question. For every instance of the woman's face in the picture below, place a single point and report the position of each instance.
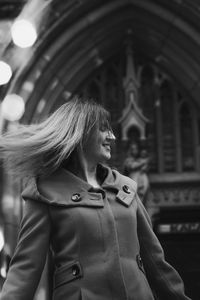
(98, 146)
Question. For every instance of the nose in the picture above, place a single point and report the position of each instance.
(110, 135)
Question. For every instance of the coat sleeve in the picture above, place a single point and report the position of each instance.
(30, 254)
(162, 277)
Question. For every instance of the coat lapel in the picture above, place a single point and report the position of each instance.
(124, 187)
(65, 189)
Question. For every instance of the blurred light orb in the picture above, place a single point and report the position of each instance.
(1, 240)
(3, 271)
(12, 107)
(5, 72)
(23, 33)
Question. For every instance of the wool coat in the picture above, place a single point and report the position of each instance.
(102, 241)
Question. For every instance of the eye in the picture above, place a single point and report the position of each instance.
(105, 126)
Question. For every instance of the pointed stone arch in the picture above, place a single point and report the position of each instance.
(80, 36)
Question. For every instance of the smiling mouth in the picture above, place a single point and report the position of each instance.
(107, 146)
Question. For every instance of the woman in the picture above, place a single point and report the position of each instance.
(88, 214)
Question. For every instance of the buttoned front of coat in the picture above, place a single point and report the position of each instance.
(102, 242)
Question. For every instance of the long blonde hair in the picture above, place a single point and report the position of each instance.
(39, 149)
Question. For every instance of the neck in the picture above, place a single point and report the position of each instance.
(88, 172)
(85, 169)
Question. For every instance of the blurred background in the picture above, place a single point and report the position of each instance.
(140, 59)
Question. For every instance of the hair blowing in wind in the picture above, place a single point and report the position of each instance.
(39, 149)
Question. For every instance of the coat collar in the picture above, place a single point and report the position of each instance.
(64, 188)
(124, 187)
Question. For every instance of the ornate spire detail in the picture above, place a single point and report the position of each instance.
(132, 115)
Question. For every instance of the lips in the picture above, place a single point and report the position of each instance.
(107, 146)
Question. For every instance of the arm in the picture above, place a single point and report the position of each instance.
(145, 165)
(133, 164)
(30, 254)
(163, 278)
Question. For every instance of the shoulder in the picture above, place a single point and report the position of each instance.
(56, 189)
(125, 179)
(115, 178)
(44, 189)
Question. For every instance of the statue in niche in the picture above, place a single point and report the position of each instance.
(136, 167)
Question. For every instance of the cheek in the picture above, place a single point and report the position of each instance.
(92, 146)
(94, 142)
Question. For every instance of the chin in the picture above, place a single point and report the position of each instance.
(107, 157)
(104, 156)
(104, 159)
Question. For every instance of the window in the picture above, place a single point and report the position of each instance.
(174, 127)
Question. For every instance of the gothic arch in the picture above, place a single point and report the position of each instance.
(80, 36)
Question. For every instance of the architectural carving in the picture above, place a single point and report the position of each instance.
(132, 115)
(177, 196)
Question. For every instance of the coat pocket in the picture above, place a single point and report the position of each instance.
(67, 273)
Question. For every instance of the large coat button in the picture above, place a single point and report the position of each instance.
(76, 197)
(126, 189)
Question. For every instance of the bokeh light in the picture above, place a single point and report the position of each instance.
(12, 107)
(23, 33)
(5, 72)
(1, 239)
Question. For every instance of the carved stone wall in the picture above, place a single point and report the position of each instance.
(174, 196)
